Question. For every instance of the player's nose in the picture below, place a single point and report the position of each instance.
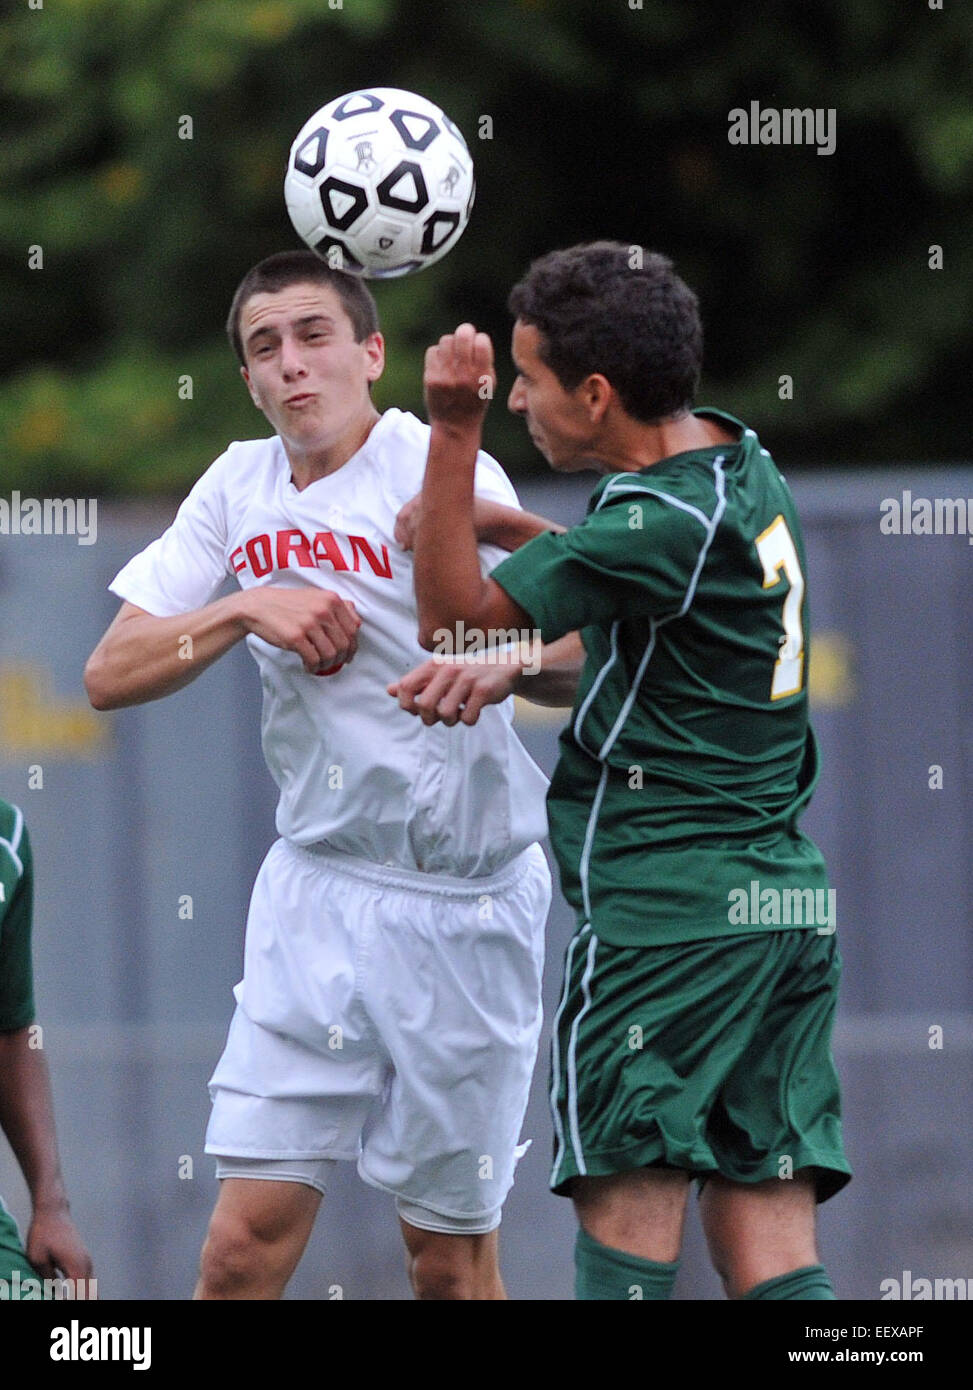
(516, 401)
(291, 359)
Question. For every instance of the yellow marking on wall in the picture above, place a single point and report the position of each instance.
(832, 684)
(540, 716)
(34, 720)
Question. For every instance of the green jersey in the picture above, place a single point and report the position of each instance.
(688, 758)
(16, 907)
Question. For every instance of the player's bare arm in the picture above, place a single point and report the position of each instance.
(27, 1119)
(455, 691)
(143, 657)
(495, 524)
(459, 380)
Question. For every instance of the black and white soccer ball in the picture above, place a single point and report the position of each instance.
(380, 182)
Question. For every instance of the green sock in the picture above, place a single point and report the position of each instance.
(810, 1282)
(606, 1274)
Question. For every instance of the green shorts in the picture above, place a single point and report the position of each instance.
(713, 1056)
(12, 1253)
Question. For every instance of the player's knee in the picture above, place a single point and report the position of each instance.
(232, 1257)
(733, 1268)
(439, 1272)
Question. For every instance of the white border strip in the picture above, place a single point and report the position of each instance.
(572, 1055)
(556, 1053)
(676, 501)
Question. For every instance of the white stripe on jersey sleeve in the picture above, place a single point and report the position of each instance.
(13, 844)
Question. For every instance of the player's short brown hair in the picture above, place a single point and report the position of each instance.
(294, 268)
(621, 311)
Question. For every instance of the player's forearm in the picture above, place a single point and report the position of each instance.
(449, 586)
(27, 1118)
(509, 527)
(144, 658)
(556, 682)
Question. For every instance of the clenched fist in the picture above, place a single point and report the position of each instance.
(459, 379)
(318, 624)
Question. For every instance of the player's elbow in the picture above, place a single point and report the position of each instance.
(98, 685)
(429, 639)
(98, 697)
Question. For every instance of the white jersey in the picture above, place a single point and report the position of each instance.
(355, 772)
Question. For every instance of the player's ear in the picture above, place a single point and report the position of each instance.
(374, 346)
(251, 388)
(597, 392)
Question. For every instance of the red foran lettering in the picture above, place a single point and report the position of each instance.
(261, 554)
(326, 548)
(261, 564)
(360, 543)
(295, 542)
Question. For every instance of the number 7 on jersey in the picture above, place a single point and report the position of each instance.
(776, 551)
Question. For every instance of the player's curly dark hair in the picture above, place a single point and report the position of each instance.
(295, 268)
(621, 311)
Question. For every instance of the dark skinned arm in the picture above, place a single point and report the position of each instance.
(27, 1119)
(449, 586)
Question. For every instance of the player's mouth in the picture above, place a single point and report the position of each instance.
(295, 402)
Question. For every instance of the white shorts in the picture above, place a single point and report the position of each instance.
(391, 1017)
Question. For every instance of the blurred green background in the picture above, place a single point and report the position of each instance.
(608, 120)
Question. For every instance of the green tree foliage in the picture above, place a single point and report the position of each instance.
(607, 120)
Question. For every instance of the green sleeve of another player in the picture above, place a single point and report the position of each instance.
(16, 914)
(636, 556)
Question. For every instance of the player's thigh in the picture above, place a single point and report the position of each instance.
(778, 1109)
(641, 1211)
(454, 991)
(758, 1231)
(254, 1213)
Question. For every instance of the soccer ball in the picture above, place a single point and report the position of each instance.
(380, 183)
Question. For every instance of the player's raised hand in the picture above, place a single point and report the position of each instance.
(454, 692)
(459, 378)
(318, 624)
